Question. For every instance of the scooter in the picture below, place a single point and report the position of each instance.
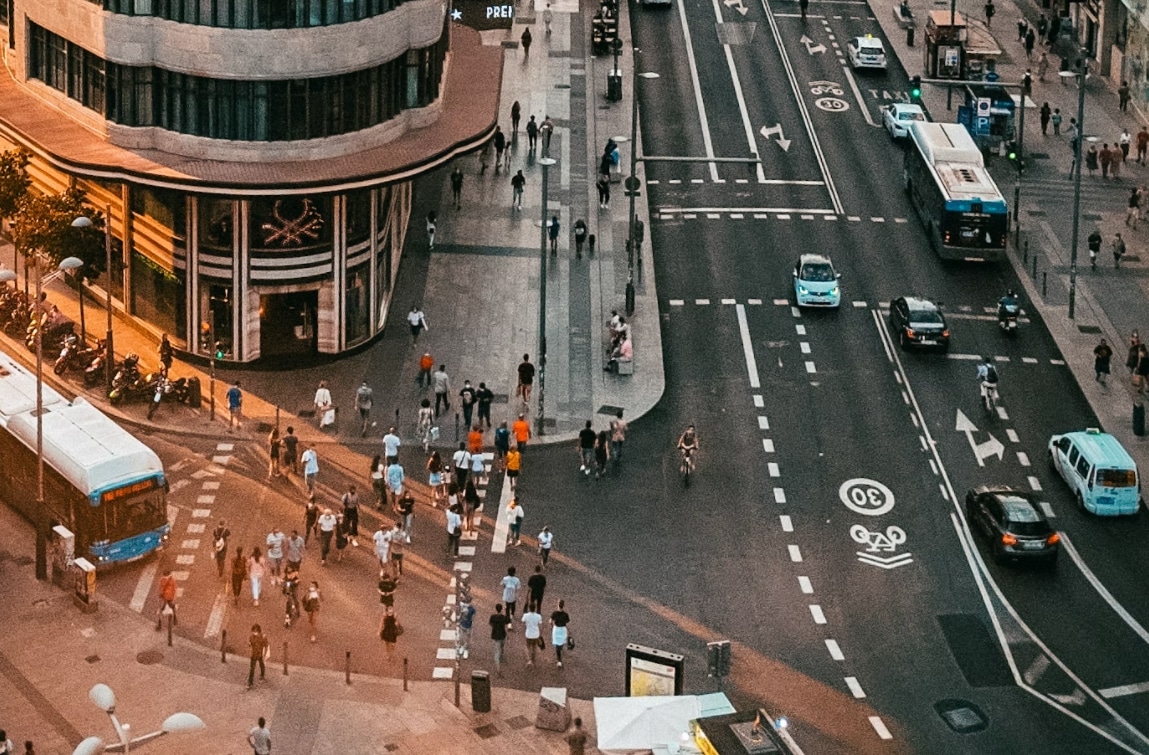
(75, 355)
(1007, 318)
(128, 383)
(163, 387)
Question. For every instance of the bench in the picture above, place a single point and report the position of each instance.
(904, 16)
(626, 368)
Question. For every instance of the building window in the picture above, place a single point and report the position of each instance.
(358, 304)
(216, 226)
(296, 109)
(158, 294)
(249, 14)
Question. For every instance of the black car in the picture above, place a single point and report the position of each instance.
(1013, 521)
(919, 323)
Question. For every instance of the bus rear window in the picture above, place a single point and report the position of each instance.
(1117, 478)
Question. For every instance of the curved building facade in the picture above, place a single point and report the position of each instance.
(256, 156)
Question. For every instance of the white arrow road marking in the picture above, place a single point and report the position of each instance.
(783, 142)
(736, 5)
(1077, 698)
(981, 451)
(812, 47)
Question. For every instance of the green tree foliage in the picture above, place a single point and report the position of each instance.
(14, 180)
(44, 224)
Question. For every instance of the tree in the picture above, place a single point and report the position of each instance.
(14, 181)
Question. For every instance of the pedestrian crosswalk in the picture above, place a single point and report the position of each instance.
(767, 213)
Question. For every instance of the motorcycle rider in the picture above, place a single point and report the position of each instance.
(1007, 305)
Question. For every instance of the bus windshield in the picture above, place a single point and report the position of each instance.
(128, 516)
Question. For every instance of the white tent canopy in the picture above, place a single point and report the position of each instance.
(630, 724)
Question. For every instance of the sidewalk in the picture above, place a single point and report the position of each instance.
(1109, 303)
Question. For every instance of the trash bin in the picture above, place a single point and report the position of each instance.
(1139, 420)
(614, 85)
(195, 395)
(909, 36)
(480, 692)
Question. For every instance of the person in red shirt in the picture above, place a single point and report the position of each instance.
(475, 440)
(167, 596)
(426, 364)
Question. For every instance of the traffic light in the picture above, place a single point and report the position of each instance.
(915, 87)
(219, 352)
(718, 658)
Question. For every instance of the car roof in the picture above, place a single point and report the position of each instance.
(1102, 448)
(868, 42)
(815, 259)
(1015, 501)
(907, 107)
(920, 302)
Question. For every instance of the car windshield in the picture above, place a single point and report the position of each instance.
(869, 50)
(911, 116)
(926, 316)
(817, 271)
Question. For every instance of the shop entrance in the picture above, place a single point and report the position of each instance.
(287, 324)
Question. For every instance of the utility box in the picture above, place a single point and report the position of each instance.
(195, 393)
(63, 550)
(1139, 420)
(614, 85)
(85, 586)
(553, 715)
(480, 692)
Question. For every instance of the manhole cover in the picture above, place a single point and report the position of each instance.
(487, 731)
(1038, 155)
(149, 657)
(962, 716)
(609, 409)
(1036, 213)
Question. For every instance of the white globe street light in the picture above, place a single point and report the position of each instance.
(105, 699)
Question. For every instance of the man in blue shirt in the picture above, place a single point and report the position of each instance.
(234, 406)
(465, 623)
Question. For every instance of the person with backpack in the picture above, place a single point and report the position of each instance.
(219, 538)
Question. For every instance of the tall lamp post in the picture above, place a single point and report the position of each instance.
(1080, 75)
(632, 184)
(105, 699)
(547, 161)
(68, 263)
(109, 349)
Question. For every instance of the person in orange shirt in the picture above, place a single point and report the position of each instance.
(168, 596)
(521, 429)
(475, 440)
(426, 364)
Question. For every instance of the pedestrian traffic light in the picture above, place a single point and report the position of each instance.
(916, 87)
(718, 658)
(219, 350)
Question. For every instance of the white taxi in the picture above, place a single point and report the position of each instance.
(866, 52)
(899, 116)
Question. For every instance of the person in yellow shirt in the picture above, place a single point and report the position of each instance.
(514, 464)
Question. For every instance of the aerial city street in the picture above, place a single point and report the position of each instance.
(781, 356)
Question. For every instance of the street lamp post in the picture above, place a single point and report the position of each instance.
(105, 699)
(546, 161)
(1079, 74)
(632, 184)
(109, 348)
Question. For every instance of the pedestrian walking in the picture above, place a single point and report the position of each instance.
(532, 134)
(350, 503)
(1125, 141)
(294, 550)
(441, 385)
(364, 399)
(274, 446)
(391, 443)
(485, 156)
(464, 626)
(990, 10)
(471, 503)
(467, 402)
(560, 635)
(234, 407)
(1118, 250)
(618, 428)
(1051, 38)
(324, 406)
(502, 445)
(1094, 244)
(1141, 373)
(407, 516)
(536, 587)
(259, 648)
(576, 738)
(514, 464)
(454, 530)
(546, 542)
(585, 445)
(432, 224)
(518, 183)
(341, 537)
(516, 116)
(1046, 114)
(291, 451)
(580, 232)
(435, 478)
(378, 480)
(603, 186)
(601, 454)
(238, 574)
(426, 365)
(525, 39)
(1142, 144)
(460, 465)
(522, 432)
(167, 598)
(478, 463)
(515, 516)
(310, 519)
(511, 585)
(553, 229)
(327, 524)
(382, 539)
(1030, 43)
(526, 372)
(7, 747)
(1116, 157)
(547, 130)
(1102, 354)
(1022, 28)
(484, 397)
(499, 139)
(1091, 158)
(1134, 352)
(532, 631)
(310, 461)
(260, 736)
(1123, 96)
(1055, 120)
(499, 625)
(457, 186)
(311, 603)
(167, 353)
(548, 17)
(389, 631)
(1042, 27)
(275, 542)
(256, 570)
(1105, 157)
(219, 539)
(1042, 66)
(397, 547)
(396, 478)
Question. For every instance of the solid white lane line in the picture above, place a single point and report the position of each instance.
(795, 553)
(747, 346)
(763, 423)
(751, 137)
(779, 495)
(1107, 596)
(773, 469)
(1034, 484)
(702, 120)
(855, 688)
(835, 651)
(880, 728)
(806, 586)
(858, 96)
(1023, 458)
(768, 445)
(816, 612)
(759, 402)
(1123, 690)
(787, 524)
(1012, 435)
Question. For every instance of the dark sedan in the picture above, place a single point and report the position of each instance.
(919, 323)
(1013, 521)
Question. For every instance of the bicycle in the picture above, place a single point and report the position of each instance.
(686, 468)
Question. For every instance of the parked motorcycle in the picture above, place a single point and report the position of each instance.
(128, 383)
(75, 355)
(162, 387)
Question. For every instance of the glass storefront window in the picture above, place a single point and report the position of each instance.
(357, 311)
(215, 312)
(358, 217)
(158, 295)
(216, 225)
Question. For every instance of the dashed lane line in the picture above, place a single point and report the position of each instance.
(779, 495)
(805, 585)
(795, 553)
(747, 346)
(787, 524)
(763, 422)
(855, 687)
(880, 728)
(817, 614)
(834, 650)
(768, 445)
(772, 467)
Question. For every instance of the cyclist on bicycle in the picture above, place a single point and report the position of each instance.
(688, 441)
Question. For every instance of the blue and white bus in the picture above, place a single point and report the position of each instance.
(964, 214)
(100, 481)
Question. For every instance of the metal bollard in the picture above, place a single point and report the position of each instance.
(1044, 280)
(277, 416)
(1025, 256)
(285, 657)
(223, 646)
(456, 426)
(171, 620)
(347, 668)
